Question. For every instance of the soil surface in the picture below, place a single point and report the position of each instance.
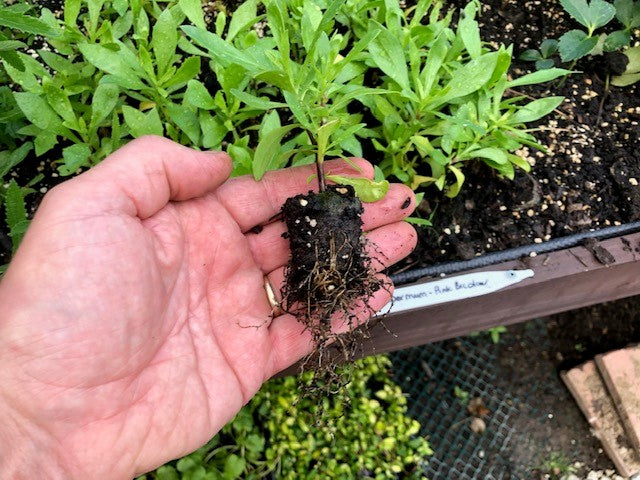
(587, 180)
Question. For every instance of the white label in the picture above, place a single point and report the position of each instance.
(453, 288)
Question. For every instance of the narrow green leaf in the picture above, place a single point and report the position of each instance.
(105, 98)
(16, 213)
(243, 17)
(538, 77)
(12, 159)
(387, 53)
(9, 45)
(256, 102)
(268, 151)
(193, 10)
(188, 70)
(535, 110)
(470, 32)
(471, 77)
(25, 23)
(71, 11)
(113, 63)
(492, 153)
(164, 40)
(37, 110)
(454, 188)
(625, 80)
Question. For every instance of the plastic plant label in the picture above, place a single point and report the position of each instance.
(453, 288)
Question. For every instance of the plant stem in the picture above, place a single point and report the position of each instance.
(320, 170)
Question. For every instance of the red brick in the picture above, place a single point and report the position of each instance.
(589, 391)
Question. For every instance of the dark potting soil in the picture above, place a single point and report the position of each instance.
(589, 177)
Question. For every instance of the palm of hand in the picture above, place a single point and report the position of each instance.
(169, 334)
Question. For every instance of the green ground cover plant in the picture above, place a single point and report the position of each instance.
(593, 16)
(373, 439)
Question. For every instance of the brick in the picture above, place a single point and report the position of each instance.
(589, 390)
(621, 373)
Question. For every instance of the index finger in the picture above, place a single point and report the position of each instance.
(252, 202)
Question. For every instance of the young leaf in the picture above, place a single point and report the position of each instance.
(9, 160)
(198, 95)
(256, 102)
(471, 77)
(616, 40)
(75, 157)
(16, 213)
(538, 77)
(549, 47)
(530, 55)
(112, 63)
(455, 187)
(470, 32)
(37, 110)
(25, 23)
(594, 15)
(164, 40)
(535, 110)
(193, 10)
(267, 153)
(628, 13)
(105, 99)
(140, 123)
(367, 190)
(388, 55)
(244, 16)
(575, 44)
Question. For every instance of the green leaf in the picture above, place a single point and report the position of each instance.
(71, 11)
(25, 23)
(309, 23)
(545, 64)
(538, 77)
(221, 50)
(213, 130)
(244, 16)
(616, 40)
(535, 110)
(471, 77)
(37, 111)
(193, 10)
(233, 467)
(16, 213)
(167, 472)
(366, 190)
(9, 45)
(625, 80)
(267, 152)
(164, 40)
(44, 141)
(492, 153)
(105, 98)
(594, 15)
(113, 63)
(198, 95)
(454, 188)
(188, 70)
(256, 102)
(388, 55)
(270, 122)
(422, 222)
(549, 47)
(470, 32)
(186, 119)
(530, 55)
(140, 123)
(59, 102)
(75, 157)
(9, 160)
(628, 13)
(575, 44)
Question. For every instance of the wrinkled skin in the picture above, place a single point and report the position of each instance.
(134, 321)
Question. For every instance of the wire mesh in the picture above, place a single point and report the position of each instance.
(429, 376)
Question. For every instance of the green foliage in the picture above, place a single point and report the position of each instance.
(372, 438)
(632, 72)
(294, 94)
(576, 44)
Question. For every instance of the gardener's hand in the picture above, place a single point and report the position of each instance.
(134, 321)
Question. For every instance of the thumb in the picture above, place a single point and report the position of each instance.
(144, 175)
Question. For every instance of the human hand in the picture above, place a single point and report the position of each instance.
(134, 320)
